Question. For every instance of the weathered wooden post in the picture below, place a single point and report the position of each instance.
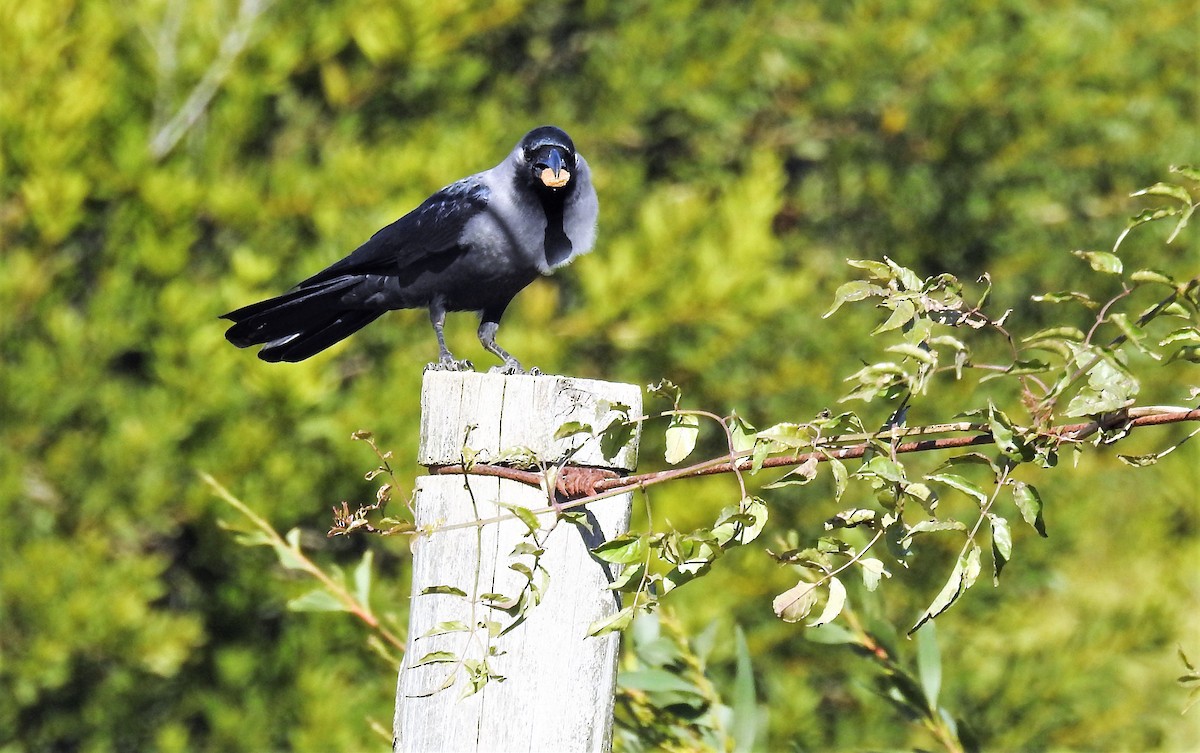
(558, 690)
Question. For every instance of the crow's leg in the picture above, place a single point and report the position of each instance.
(487, 337)
(446, 360)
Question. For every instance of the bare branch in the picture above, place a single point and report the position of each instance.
(1130, 418)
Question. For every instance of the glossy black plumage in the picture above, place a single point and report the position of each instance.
(472, 246)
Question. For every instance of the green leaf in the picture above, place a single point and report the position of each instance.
(794, 436)
(444, 590)
(1029, 502)
(527, 547)
(1001, 429)
(801, 475)
(1183, 334)
(289, 556)
(656, 681)
(248, 538)
(524, 514)
(1027, 366)
(611, 624)
(623, 549)
(840, 478)
(1110, 387)
(1001, 545)
(907, 278)
(927, 497)
(1101, 261)
(1191, 173)
(1065, 296)
(616, 436)
(1091, 403)
(970, 458)
(742, 432)
(1189, 353)
(1153, 276)
(885, 378)
(762, 450)
(745, 702)
(1139, 461)
(842, 423)
(856, 290)
(966, 569)
(881, 467)
(831, 634)
(316, 600)
(833, 605)
(795, 603)
(685, 572)
(906, 696)
(932, 526)
(1056, 333)
(494, 627)
(681, 437)
(902, 314)
(436, 657)
(362, 578)
(479, 674)
(916, 352)
(579, 519)
(571, 428)
(872, 571)
(743, 523)
(850, 518)
(522, 568)
(929, 665)
(501, 602)
(1184, 215)
(948, 340)
(666, 389)
(1170, 190)
(955, 481)
(442, 628)
(897, 539)
(630, 578)
(1131, 331)
(1186, 662)
(876, 269)
(1154, 215)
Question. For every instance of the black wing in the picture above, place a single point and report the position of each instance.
(432, 228)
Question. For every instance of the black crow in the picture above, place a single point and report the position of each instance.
(472, 246)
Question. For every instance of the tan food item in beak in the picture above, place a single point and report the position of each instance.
(555, 182)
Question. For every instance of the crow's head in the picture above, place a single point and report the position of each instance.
(549, 156)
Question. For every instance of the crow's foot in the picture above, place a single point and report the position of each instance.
(513, 367)
(450, 364)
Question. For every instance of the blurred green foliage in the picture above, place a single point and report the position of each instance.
(741, 152)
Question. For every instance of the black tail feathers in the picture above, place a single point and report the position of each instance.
(299, 323)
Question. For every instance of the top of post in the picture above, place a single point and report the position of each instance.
(496, 414)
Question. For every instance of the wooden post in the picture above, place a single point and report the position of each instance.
(559, 684)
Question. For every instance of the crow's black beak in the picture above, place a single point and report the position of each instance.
(550, 168)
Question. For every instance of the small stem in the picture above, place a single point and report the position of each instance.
(834, 573)
(344, 597)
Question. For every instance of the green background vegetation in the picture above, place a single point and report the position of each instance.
(741, 152)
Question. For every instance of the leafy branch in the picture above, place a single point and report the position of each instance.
(335, 594)
(935, 323)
